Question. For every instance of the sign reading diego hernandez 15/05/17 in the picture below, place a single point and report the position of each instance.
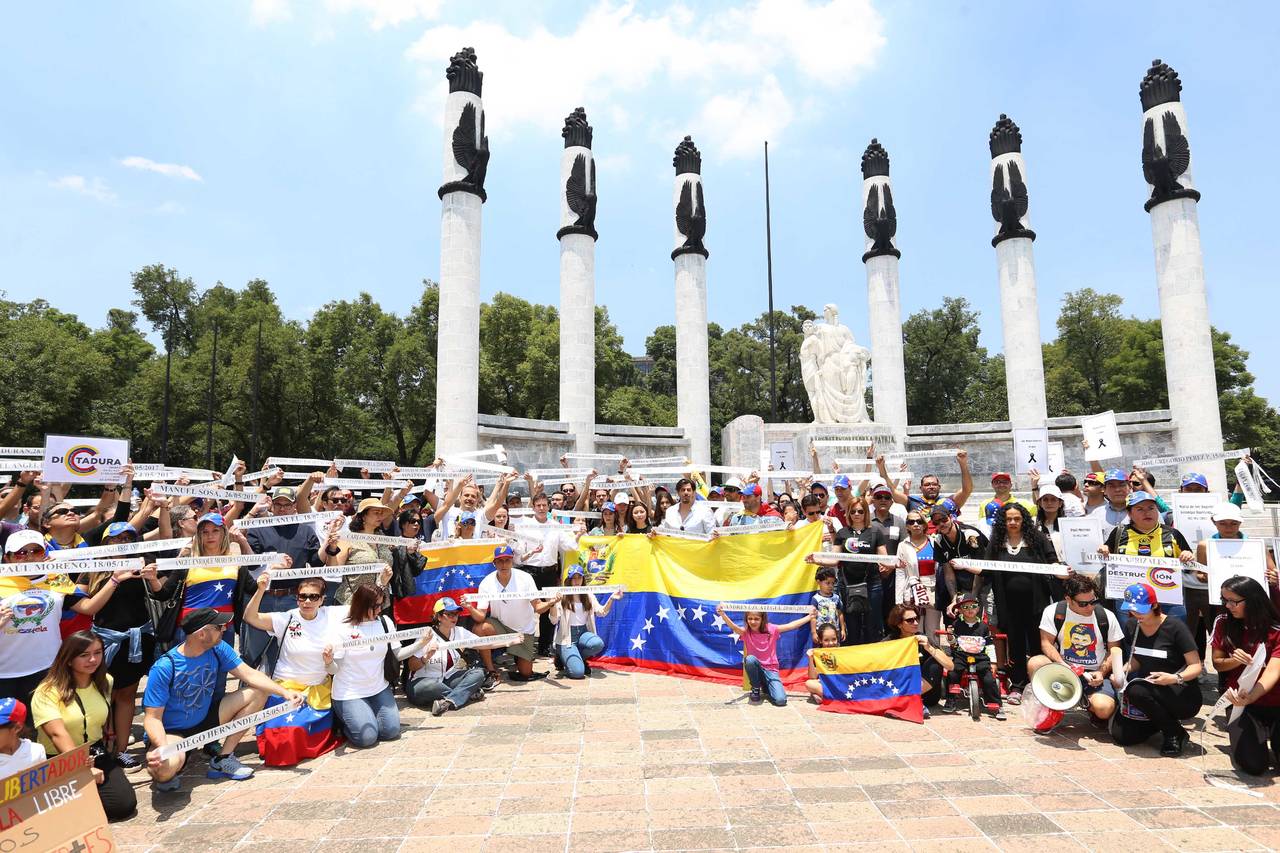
(54, 806)
(80, 459)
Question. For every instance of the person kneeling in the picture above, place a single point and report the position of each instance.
(576, 638)
(440, 678)
(179, 701)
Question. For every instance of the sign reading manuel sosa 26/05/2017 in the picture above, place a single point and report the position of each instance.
(78, 459)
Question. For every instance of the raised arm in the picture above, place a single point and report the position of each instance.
(802, 621)
(451, 496)
(733, 626)
(966, 479)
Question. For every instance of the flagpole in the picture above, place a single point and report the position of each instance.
(768, 243)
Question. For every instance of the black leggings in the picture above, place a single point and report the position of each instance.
(1255, 739)
(1164, 706)
(1020, 620)
(118, 798)
(990, 689)
(931, 671)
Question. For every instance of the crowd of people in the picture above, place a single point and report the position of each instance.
(77, 650)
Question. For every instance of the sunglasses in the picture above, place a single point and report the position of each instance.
(26, 553)
(969, 606)
(339, 500)
(1090, 603)
(310, 596)
(911, 620)
(409, 521)
(914, 521)
(858, 511)
(63, 511)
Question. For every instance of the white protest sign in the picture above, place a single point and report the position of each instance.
(21, 465)
(1030, 449)
(575, 590)
(1081, 537)
(514, 595)
(1193, 515)
(658, 460)
(1057, 457)
(229, 478)
(936, 452)
(154, 471)
(260, 475)
(219, 732)
(1186, 458)
(109, 564)
(207, 492)
(292, 518)
(757, 527)
(743, 607)
(22, 451)
(1249, 486)
(560, 475)
(81, 459)
(226, 560)
(1002, 566)
(841, 557)
(359, 483)
(373, 466)
(1164, 575)
(123, 548)
(378, 539)
(1231, 557)
(1103, 436)
(284, 461)
(782, 455)
(326, 572)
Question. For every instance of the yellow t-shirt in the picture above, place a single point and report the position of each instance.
(46, 707)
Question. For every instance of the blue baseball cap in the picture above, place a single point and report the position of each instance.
(1114, 474)
(1194, 479)
(213, 518)
(445, 605)
(119, 528)
(1139, 497)
(12, 711)
(609, 506)
(751, 489)
(575, 569)
(841, 481)
(1138, 598)
(946, 505)
(503, 551)
(466, 517)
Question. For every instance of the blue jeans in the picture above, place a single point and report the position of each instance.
(584, 647)
(457, 687)
(369, 720)
(765, 678)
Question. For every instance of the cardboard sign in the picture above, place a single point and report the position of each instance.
(1230, 557)
(1081, 537)
(1193, 515)
(1103, 436)
(78, 459)
(54, 806)
(1030, 449)
(1164, 579)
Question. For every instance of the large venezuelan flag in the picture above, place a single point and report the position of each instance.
(450, 571)
(666, 622)
(877, 678)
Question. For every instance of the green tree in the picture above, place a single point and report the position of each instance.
(950, 378)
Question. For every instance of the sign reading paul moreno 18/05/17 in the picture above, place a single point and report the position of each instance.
(81, 459)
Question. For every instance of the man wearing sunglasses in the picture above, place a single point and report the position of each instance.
(1080, 633)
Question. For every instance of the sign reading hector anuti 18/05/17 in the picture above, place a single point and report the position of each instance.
(80, 459)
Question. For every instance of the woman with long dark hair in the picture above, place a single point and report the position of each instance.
(639, 518)
(71, 707)
(1250, 621)
(1020, 596)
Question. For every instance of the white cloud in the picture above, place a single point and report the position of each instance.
(169, 170)
(728, 76)
(94, 188)
(381, 13)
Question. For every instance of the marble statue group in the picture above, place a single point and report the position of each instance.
(834, 369)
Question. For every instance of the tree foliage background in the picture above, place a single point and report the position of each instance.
(358, 380)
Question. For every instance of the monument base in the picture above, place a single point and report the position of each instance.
(534, 443)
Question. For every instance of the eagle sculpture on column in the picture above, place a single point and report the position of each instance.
(470, 155)
(879, 226)
(580, 192)
(1162, 166)
(1008, 204)
(692, 225)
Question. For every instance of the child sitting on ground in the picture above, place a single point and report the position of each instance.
(970, 637)
(828, 638)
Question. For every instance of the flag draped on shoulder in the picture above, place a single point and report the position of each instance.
(667, 623)
(451, 572)
(877, 678)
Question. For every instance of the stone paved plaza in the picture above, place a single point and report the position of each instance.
(641, 762)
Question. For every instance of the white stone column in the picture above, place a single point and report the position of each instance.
(1184, 303)
(693, 374)
(1015, 262)
(461, 196)
(577, 237)
(884, 312)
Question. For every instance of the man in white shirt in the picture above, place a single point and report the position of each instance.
(542, 562)
(1082, 634)
(505, 617)
(689, 515)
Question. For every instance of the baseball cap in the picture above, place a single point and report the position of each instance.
(881, 489)
(1049, 491)
(751, 489)
(17, 541)
(370, 503)
(841, 481)
(118, 528)
(503, 551)
(284, 492)
(1001, 475)
(12, 711)
(733, 483)
(715, 490)
(1113, 475)
(1194, 479)
(446, 605)
(466, 517)
(1138, 598)
(211, 517)
(608, 506)
(202, 616)
(945, 505)
(1227, 512)
(1140, 496)
(575, 569)
(966, 598)
(1093, 477)
(409, 498)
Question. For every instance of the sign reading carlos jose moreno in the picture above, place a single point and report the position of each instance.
(76, 459)
(54, 806)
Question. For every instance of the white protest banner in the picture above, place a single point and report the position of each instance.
(560, 475)
(1057, 457)
(390, 637)
(1030, 449)
(361, 484)
(781, 455)
(292, 518)
(683, 534)
(1187, 458)
(1163, 574)
(207, 492)
(856, 462)
(144, 547)
(839, 556)
(286, 461)
(1231, 557)
(373, 466)
(260, 475)
(229, 478)
(514, 595)
(743, 529)
(937, 452)
(1081, 538)
(378, 539)
(1103, 435)
(460, 463)
(608, 457)
(81, 459)
(108, 564)
(515, 533)
(326, 572)
(530, 526)
(483, 642)
(841, 442)
(153, 471)
(574, 590)
(175, 563)
(744, 606)
(22, 451)
(1193, 515)
(1249, 486)
(1003, 566)
(658, 460)
(640, 479)
(21, 465)
(496, 451)
(567, 513)
(219, 732)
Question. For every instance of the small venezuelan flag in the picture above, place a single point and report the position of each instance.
(877, 678)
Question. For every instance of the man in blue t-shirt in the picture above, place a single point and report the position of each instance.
(179, 699)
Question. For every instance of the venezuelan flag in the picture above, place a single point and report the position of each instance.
(305, 733)
(666, 622)
(450, 571)
(210, 586)
(877, 678)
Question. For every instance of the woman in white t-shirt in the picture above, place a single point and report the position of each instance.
(301, 634)
(574, 616)
(362, 674)
(440, 678)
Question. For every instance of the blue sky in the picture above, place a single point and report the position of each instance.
(300, 142)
